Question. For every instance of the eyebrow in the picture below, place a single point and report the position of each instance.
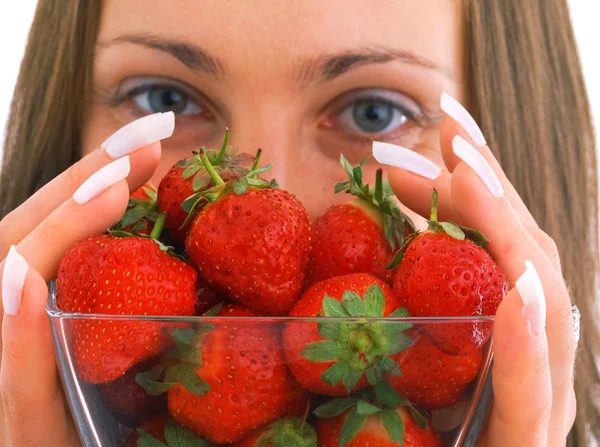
(325, 68)
(190, 55)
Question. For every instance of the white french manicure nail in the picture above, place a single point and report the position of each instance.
(471, 156)
(393, 155)
(459, 114)
(13, 280)
(140, 133)
(102, 179)
(531, 290)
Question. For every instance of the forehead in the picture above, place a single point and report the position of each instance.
(278, 33)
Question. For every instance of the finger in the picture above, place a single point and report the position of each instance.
(521, 377)
(460, 122)
(98, 204)
(413, 179)
(142, 134)
(510, 244)
(34, 413)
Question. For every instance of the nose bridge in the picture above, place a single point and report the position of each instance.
(270, 131)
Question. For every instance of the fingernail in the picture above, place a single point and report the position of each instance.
(459, 114)
(102, 179)
(531, 290)
(140, 133)
(471, 156)
(13, 280)
(392, 155)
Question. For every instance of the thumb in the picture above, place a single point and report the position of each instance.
(34, 412)
(521, 371)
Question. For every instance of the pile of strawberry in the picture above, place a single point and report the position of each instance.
(218, 240)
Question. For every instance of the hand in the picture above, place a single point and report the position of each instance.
(533, 358)
(41, 230)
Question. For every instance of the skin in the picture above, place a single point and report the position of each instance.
(260, 48)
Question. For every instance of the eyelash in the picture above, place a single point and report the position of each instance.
(415, 115)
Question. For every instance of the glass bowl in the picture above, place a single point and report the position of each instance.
(107, 414)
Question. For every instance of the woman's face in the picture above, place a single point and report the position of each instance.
(305, 80)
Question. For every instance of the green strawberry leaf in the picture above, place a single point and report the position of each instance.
(191, 382)
(395, 222)
(353, 424)
(334, 308)
(321, 351)
(399, 343)
(149, 381)
(389, 366)
(476, 236)
(335, 373)
(257, 172)
(184, 336)
(374, 301)
(178, 436)
(192, 168)
(401, 312)
(353, 304)
(420, 420)
(335, 407)
(388, 396)
(213, 311)
(453, 230)
(363, 407)
(201, 181)
(397, 259)
(329, 330)
(147, 440)
(240, 186)
(394, 425)
(351, 378)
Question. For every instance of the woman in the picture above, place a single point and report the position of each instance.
(307, 80)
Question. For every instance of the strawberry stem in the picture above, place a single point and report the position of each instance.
(256, 161)
(217, 180)
(158, 226)
(221, 153)
(434, 206)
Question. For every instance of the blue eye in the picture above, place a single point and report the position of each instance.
(154, 99)
(373, 116)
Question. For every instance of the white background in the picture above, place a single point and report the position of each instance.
(17, 18)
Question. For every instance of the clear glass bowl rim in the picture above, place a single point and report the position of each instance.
(55, 313)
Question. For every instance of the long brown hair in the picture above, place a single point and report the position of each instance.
(526, 89)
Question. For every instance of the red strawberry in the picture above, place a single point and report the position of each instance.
(251, 244)
(445, 272)
(231, 379)
(162, 430)
(127, 400)
(286, 432)
(142, 211)
(431, 378)
(340, 357)
(385, 421)
(123, 276)
(189, 176)
(359, 236)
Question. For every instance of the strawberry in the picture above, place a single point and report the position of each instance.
(127, 400)
(142, 211)
(431, 378)
(205, 297)
(133, 275)
(445, 272)
(231, 378)
(163, 431)
(250, 241)
(189, 176)
(381, 419)
(286, 432)
(359, 236)
(337, 358)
